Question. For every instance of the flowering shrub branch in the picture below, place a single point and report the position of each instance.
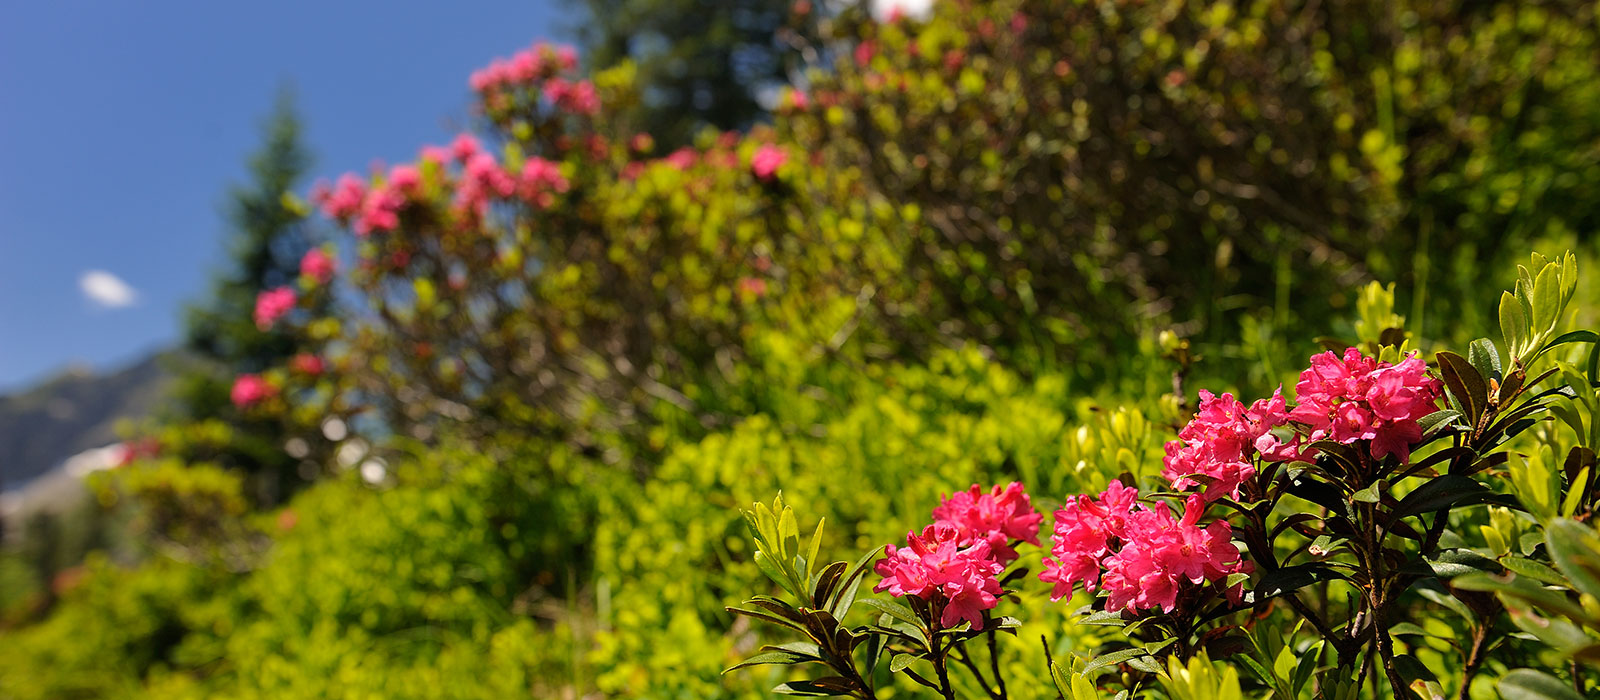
(1360, 486)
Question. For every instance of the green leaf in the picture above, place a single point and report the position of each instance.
(1575, 549)
(820, 687)
(901, 661)
(1453, 562)
(826, 582)
(788, 533)
(1513, 324)
(1104, 617)
(1546, 299)
(1440, 493)
(1437, 419)
(1148, 664)
(770, 658)
(1367, 495)
(1572, 337)
(1485, 358)
(811, 555)
(1465, 383)
(845, 597)
(776, 573)
(1290, 579)
(1528, 684)
(1113, 658)
(892, 609)
(1534, 570)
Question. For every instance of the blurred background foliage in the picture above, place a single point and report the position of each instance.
(521, 473)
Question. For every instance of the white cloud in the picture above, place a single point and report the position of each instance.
(107, 290)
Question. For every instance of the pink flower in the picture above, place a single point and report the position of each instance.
(1359, 398)
(345, 198)
(307, 364)
(524, 67)
(754, 287)
(272, 305)
(999, 517)
(568, 57)
(935, 567)
(405, 178)
(381, 210)
(539, 179)
(1222, 441)
(481, 179)
(681, 159)
(437, 154)
(1084, 533)
(317, 266)
(583, 98)
(464, 147)
(1141, 556)
(249, 390)
(767, 160)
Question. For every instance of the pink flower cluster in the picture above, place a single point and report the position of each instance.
(934, 565)
(342, 200)
(249, 390)
(272, 305)
(318, 266)
(577, 97)
(524, 67)
(539, 179)
(767, 160)
(955, 560)
(1360, 398)
(1000, 516)
(1142, 556)
(307, 364)
(482, 178)
(1222, 439)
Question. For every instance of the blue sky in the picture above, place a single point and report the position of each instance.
(123, 123)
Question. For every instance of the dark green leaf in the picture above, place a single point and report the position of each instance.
(1575, 549)
(1528, 684)
(1452, 563)
(892, 608)
(1465, 383)
(1290, 579)
(1535, 570)
(1485, 358)
(1440, 493)
(1113, 658)
(771, 657)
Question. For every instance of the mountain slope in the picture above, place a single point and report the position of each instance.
(74, 411)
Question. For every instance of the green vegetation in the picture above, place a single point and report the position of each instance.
(1008, 242)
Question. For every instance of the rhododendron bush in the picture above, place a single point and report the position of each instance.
(1060, 319)
(1340, 528)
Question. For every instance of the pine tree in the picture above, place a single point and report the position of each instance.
(701, 62)
(267, 239)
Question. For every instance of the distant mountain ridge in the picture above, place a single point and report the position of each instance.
(74, 411)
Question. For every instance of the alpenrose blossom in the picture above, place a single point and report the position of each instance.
(272, 305)
(766, 161)
(319, 267)
(935, 567)
(1355, 397)
(1000, 516)
(249, 390)
(1222, 441)
(1140, 555)
(344, 199)
(307, 364)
